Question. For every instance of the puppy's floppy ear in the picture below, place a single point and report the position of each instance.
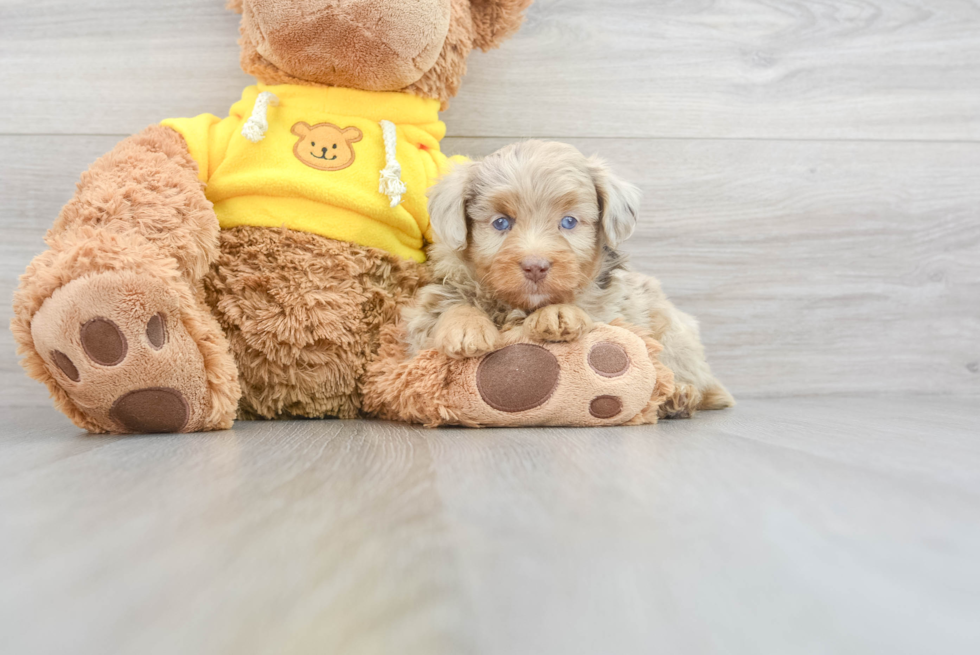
(619, 203)
(447, 207)
(234, 5)
(495, 20)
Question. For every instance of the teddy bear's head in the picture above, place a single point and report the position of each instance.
(419, 46)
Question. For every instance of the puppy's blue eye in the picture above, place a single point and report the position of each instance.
(503, 224)
(569, 222)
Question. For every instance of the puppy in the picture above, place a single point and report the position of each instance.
(526, 239)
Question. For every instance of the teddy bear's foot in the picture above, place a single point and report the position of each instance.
(607, 377)
(120, 345)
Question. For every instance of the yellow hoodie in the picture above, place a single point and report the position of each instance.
(323, 160)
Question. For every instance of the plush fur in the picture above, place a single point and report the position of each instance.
(411, 52)
(303, 314)
(504, 260)
(284, 322)
(139, 215)
(147, 185)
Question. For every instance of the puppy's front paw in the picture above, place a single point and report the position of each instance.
(466, 334)
(558, 323)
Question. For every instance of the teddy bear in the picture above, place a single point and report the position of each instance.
(254, 266)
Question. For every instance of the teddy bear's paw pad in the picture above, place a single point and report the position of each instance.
(151, 410)
(63, 362)
(517, 378)
(604, 378)
(606, 407)
(609, 359)
(104, 342)
(156, 331)
(116, 344)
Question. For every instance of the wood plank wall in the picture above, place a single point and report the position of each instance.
(811, 168)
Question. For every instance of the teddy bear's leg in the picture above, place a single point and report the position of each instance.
(302, 314)
(111, 318)
(610, 376)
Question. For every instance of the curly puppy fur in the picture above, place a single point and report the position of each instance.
(503, 259)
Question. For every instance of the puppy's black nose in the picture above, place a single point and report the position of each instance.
(535, 269)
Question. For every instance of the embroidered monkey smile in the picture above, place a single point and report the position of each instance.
(324, 156)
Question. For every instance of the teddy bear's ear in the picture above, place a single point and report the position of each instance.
(495, 20)
(352, 134)
(301, 129)
(234, 5)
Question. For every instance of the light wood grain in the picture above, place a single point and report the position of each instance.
(114, 66)
(868, 69)
(811, 174)
(814, 267)
(782, 526)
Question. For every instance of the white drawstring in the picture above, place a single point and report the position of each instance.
(258, 124)
(391, 175)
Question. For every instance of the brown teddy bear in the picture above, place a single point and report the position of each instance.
(255, 265)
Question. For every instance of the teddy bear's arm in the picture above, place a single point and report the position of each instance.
(118, 297)
(147, 186)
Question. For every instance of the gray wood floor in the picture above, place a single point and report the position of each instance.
(782, 526)
(811, 169)
(811, 172)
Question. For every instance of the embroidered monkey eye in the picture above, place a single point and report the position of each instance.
(503, 224)
(335, 146)
(569, 222)
(313, 143)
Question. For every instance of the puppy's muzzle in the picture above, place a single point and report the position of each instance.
(535, 268)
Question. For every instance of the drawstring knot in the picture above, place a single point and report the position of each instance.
(258, 123)
(391, 175)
